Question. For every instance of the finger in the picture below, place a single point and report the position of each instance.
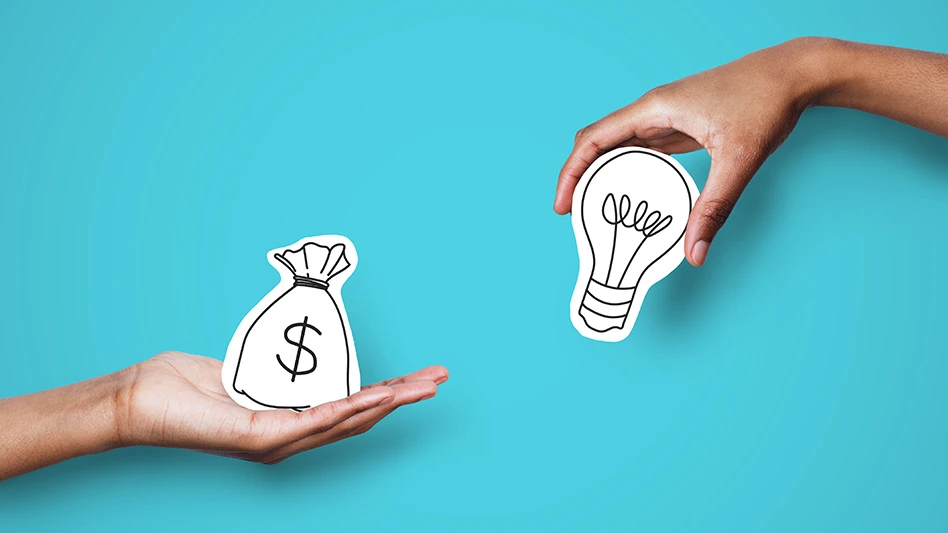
(365, 421)
(597, 139)
(727, 179)
(272, 429)
(405, 394)
(672, 142)
(438, 374)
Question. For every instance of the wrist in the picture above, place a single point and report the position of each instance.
(119, 408)
(818, 68)
(824, 66)
(97, 413)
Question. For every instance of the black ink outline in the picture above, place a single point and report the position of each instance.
(591, 310)
(302, 281)
(657, 223)
(300, 346)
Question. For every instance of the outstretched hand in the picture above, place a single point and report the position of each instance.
(178, 400)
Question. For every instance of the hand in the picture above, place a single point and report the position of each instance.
(178, 400)
(739, 112)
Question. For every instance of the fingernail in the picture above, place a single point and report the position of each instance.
(441, 380)
(388, 399)
(699, 252)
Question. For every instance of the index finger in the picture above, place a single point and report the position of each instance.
(282, 426)
(438, 374)
(590, 143)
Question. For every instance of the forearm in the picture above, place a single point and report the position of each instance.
(909, 86)
(47, 427)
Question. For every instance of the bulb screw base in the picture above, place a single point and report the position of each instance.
(605, 308)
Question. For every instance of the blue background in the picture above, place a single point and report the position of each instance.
(152, 153)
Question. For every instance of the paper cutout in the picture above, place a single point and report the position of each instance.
(630, 210)
(294, 349)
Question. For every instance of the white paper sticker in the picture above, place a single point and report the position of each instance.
(294, 349)
(630, 210)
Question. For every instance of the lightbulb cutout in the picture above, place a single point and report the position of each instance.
(630, 209)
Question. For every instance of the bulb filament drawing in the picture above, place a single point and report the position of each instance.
(648, 226)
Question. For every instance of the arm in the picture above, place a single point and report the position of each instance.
(47, 427)
(742, 112)
(177, 400)
(905, 85)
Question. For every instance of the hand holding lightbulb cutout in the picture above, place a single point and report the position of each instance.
(633, 206)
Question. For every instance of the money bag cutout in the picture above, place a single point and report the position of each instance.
(294, 349)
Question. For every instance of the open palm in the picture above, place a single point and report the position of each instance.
(178, 400)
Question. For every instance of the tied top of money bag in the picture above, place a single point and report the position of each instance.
(313, 265)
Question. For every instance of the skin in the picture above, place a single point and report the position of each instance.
(742, 112)
(177, 400)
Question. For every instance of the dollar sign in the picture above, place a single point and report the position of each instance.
(300, 347)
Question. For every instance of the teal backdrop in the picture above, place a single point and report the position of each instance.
(152, 152)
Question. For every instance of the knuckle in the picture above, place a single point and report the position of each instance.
(654, 92)
(334, 413)
(336, 409)
(587, 138)
(716, 211)
(345, 408)
(582, 134)
(163, 359)
(655, 96)
(331, 412)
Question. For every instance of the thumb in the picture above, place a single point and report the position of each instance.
(726, 181)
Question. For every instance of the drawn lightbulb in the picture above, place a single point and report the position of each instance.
(630, 210)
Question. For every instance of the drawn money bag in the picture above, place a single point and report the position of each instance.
(294, 349)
